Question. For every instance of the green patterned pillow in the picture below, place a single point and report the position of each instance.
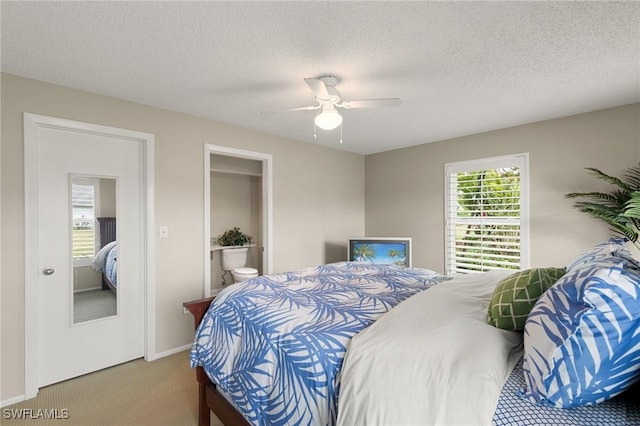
(514, 296)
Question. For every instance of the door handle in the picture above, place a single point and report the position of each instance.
(48, 270)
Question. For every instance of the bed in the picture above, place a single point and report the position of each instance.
(427, 357)
(105, 260)
(291, 331)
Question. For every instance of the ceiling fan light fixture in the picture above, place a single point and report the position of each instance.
(328, 119)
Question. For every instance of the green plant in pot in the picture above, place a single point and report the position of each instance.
(619, 208)
(234, 237)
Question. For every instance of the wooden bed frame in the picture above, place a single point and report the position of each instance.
(209, 398)
(107, 235)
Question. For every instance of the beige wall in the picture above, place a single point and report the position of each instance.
(318, 199)
(405, 187)
(107, 197)
(235, 201)
(85, 278)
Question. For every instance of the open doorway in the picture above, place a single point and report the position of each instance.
(236, 169)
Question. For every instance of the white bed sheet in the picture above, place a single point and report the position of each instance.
(98, 262)
(432, 360)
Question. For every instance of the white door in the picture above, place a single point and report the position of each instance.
(69, 348)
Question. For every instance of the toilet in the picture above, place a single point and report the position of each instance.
(234, 260)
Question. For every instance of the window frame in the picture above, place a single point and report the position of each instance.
(520, 160)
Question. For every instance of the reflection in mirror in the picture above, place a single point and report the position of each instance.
(93, 229)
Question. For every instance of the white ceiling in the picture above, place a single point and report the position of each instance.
(460, 67)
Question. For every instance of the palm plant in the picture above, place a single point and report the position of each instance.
(632, 210)
(619, 208)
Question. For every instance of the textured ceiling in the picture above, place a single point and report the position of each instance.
(460, 67)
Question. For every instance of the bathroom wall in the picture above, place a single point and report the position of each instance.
(235, 202)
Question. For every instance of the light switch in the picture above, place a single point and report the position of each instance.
(164, 232)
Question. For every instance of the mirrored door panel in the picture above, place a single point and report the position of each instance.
(94, 247)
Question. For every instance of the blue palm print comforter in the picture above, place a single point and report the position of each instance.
(275, 344)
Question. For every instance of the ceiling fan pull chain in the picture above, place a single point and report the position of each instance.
(315, 128)
(341, 132)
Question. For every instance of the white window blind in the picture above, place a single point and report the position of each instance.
(487, 214)
(83, 197)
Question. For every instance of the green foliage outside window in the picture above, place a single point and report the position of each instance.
(83, 242)
(488, 194)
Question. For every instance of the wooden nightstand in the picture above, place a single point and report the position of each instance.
(198, 308)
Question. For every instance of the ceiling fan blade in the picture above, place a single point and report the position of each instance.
(318, 88)
(304, 108)
(371, 103)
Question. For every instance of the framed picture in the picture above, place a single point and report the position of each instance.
(380, 250)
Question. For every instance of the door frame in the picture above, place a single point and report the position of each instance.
(267, 206)
(32, 122)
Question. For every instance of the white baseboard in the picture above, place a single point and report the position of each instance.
(87, 289)
(11, 401)
(169, 352)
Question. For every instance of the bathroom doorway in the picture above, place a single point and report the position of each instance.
(238, 188)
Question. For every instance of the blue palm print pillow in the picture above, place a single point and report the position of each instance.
(612, 247)
(582, 338)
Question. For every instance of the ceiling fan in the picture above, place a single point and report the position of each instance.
(329, 100)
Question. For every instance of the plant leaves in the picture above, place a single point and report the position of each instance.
(632, 207)
(611, 179)
(633, 177)
(620, 208)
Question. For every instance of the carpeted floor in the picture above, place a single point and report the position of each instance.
(89, 305)
(162, 392)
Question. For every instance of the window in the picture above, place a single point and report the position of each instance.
(486, 203)
(83, 212)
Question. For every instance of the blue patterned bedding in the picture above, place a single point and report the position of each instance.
(105, 261)
(110, 268)
(275, 344)
(513, 410)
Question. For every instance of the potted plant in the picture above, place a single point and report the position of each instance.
(620, 208)
(234, 237)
